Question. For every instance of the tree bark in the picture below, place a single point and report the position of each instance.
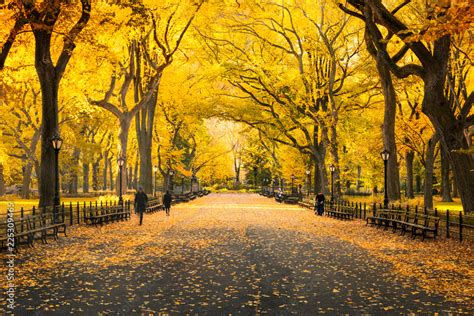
(409, 157)
(445, 183)
(111, 174)
(85, 177)
(104, 172)
(74, 176)
(451, 132)
(429, 163)
(95, 175)
(358, 182)
(144, 126)
(122, 150)
(388, 129)
(455, 189)
(25, 194)
(49, 94)
(2, 181)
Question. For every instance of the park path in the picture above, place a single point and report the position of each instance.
(225, 254)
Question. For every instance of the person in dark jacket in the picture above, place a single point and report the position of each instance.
(141, 200)
(319, 205)
(167, 199)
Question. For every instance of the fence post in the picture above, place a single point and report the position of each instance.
(78, 214)
(365, 210)
(34, 210)
(447, 223)
(460, 226)
(71, 221)
(62, 212)
(22, 214)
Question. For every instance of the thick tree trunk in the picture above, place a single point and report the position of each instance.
(451, 132)
(445, 183)
(144, 127)
(393, 175)
(85, 177)
(49, 93)
(429, 163)
(2, 181)
(409, 157)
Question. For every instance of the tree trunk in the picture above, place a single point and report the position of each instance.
(333, 145)
(122, 152)
(25, 194)
(74, 176)
(358, 182)
(2, 181)
(95, 175)
(388, 128)
(429, 163)
(418, 183)
(409, 157)
(450, 130)
(111, 175)
(144, 127)
(135, 176)
(104, 172)
(445, 183)
(455, 189)
(85, 177)
(49, 94)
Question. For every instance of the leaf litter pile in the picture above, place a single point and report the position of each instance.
(230, 253)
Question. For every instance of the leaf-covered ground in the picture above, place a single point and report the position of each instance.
(238, 253)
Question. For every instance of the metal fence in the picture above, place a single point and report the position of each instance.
(452, 224)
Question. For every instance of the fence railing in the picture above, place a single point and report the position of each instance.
(452, 224)
(71, 213)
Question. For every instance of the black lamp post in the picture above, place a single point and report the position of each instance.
(385, 154)
(182, 184)
(332, 168)
(170, 183)
(120, 162)
(155, 170)
(57, 142)
(292, 183)
(308, 181)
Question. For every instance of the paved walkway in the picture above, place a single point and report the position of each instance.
(222, 254)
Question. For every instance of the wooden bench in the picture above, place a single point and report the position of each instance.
(341, 211)
(20, 233)
(418, 224)
(46, 225)
(105, 214)
(386, 218)
(154, 205)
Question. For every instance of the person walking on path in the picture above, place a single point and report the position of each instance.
(141, 200)
(319, 205)
(167, 199)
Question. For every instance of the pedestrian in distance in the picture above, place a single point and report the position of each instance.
(141, 201)
(167, 199)
(319, 203)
